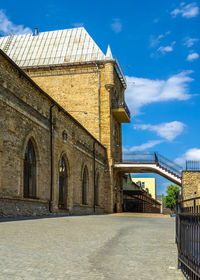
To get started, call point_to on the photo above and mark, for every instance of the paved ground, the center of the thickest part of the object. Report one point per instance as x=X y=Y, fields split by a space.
x=108 y=247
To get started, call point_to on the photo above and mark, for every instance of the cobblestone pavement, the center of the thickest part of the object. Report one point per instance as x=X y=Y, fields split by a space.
x=89 y=247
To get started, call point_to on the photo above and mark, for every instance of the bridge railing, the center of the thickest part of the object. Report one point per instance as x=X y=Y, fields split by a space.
x=153 y=157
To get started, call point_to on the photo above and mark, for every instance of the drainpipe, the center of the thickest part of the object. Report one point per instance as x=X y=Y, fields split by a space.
x=94 y=175
x=51 y=156
x=99 y=100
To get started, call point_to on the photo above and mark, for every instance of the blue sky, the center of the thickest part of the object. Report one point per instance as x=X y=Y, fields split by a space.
x=158 y=46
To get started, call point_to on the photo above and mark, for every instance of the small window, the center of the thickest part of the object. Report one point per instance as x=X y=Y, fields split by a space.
x=64 y=136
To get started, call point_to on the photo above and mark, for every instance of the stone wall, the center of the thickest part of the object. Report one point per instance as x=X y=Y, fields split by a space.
x=190 y=184
x=10 y=207
x=24 y=115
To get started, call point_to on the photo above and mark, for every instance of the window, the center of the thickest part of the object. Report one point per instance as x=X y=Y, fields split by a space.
x=30 y=171
x=96 y=191
x=85 y=186
x=64 y=134
x=63 y=184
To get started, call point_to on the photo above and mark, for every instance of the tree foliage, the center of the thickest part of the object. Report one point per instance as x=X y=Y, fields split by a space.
x=169 y=199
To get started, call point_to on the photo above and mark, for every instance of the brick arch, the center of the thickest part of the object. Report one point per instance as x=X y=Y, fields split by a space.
x=63 y=181
x=31 y=136
x=65 y=156
x=30 y=184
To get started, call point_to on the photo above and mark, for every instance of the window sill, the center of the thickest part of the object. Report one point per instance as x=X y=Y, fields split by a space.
x=31 y=197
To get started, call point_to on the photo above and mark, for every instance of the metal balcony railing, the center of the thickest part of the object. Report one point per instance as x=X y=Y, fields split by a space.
x=192 y=165
x=116 y=105
x=120 y=73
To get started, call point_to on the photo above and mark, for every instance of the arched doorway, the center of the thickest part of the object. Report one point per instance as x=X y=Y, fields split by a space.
x=30 y=171
x=63 y=183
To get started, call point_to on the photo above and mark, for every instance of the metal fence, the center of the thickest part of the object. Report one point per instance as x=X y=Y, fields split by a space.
x=192 y=165
x=188 y=236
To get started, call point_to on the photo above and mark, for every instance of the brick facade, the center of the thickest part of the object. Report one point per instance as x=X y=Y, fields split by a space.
x=78 y=88
x=25 y=114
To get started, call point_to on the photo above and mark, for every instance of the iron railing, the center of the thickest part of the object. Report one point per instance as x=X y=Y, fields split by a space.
x=192 y=165
x=120 y=73
x=188 y=236
x=117 y=105
x=153 y=157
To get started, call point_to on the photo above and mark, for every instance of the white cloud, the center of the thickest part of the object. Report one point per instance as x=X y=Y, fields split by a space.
x=188 y=11
x=141 y=91
x=189 y=42
x=168 y=131
x=192 y=56
x=78 y=24
x=166 y=49
x=191 y=154
x=8 y=27
x=116 y=25
x=154 y=41
x=142 y=147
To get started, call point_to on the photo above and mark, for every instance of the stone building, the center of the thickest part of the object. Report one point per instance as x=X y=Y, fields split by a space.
x=48 y=160
x=71 y=68
x=78 y=125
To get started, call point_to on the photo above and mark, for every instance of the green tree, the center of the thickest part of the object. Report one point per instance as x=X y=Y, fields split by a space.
x=169 y=199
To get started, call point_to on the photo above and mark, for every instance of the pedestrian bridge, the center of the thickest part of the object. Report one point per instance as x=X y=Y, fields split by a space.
x=150 y=163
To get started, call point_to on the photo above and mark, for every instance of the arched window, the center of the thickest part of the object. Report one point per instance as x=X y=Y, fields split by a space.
x=63 y=183
x=96 y=191
x=85 y=186
x=30 y=171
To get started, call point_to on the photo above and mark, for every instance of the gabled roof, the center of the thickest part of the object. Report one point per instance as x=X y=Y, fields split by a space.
x=56 y=47
x=53 y=47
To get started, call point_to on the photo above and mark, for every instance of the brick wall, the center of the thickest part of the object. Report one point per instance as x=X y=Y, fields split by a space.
x=75 y=87
x=24 y=115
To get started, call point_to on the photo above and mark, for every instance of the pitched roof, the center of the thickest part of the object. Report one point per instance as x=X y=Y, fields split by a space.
x=53 y=47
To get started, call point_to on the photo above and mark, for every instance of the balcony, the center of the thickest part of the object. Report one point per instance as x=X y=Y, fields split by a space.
x=121 y=112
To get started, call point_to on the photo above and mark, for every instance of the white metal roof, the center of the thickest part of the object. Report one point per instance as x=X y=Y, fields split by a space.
x=53 y=47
